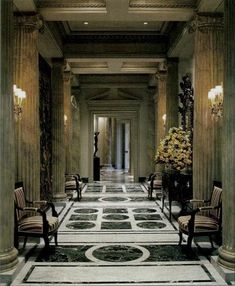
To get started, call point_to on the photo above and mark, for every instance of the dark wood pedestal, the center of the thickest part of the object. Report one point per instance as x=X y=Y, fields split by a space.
x=96 y=168
x=176 y=187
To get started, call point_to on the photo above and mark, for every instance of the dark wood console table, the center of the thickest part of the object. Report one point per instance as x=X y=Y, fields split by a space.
x=176 y=187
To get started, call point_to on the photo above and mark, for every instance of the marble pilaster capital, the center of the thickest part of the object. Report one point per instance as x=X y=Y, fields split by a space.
x=58 y=63
x=67 y=76
x=29 y=22
x=161 y=75
x=205 y=23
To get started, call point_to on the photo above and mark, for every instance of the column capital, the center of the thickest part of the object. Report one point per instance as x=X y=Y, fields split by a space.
x=205 y=23
x=29 y=22
x=161 y=75
x=67 y=76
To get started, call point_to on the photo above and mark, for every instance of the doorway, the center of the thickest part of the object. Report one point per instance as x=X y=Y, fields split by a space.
x=114 y=148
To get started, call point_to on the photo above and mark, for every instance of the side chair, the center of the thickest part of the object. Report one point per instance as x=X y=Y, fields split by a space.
x=34 y=219
x=205 y=220
x=154 y=183
x=73 y=183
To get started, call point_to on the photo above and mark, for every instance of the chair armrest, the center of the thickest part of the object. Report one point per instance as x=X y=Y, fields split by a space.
x=30 y=209
x=196 y=201
x=206 y=208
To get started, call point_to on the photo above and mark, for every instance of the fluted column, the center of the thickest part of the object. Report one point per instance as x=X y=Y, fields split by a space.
x=67 y=120
x=8 y=254
x=26 y=77
x=58 y=148
x=108 y=140
x=172 y=105
x=208 y=74
x=227 y=250
x=160 y=102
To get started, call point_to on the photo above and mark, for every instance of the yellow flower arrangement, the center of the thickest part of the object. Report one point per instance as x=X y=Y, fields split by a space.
x=175 y=150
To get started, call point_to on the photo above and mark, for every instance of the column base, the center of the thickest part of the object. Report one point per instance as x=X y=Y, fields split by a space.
x=226 y=274
x=226 y=258
x=59 y=197
x=8 y=260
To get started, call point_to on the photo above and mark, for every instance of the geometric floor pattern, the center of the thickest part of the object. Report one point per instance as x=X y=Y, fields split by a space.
x=116 y=236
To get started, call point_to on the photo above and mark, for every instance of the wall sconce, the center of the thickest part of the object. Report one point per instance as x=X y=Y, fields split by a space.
x=215 y=96
x=65 y=119
x=164 y=120
x=19 y=96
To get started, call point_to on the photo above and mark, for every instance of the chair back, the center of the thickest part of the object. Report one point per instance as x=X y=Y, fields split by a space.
x=19 y=198
x=216 y=201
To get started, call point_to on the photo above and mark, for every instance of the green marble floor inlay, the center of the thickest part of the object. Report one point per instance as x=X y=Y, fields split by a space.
x=169 y=253
x=85 y=211
x=115 y=217
x=144 y=210
x=114 y=199
x=115 y=225
x=115 y=210
x=117 y=253
x=151 y=225
x=89 y=217
x=147 y=217
x=64 y=254
x=80 y=225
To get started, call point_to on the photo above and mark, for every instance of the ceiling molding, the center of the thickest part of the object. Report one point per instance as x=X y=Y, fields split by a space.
x=71 y=4
x=162 y=4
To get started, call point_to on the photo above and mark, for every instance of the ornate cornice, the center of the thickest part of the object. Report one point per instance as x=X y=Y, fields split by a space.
x=117 y=38
x=162 y=4
x=71 y=4
x=205 y=23
x=29 y=22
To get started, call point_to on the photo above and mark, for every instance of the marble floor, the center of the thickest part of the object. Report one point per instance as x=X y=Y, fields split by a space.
x=116 y=236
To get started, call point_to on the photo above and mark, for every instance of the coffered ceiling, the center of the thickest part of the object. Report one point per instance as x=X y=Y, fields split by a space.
x=114 y=36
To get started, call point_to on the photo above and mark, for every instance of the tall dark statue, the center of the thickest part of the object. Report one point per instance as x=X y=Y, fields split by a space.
x=96 y=142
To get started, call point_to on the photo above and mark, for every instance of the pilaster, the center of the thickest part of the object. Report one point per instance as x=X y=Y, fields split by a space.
x=227 y=250
x=172 y=94
x=67 y=120
x=208 y=74
x=58 y=147
x=8 y=254
x=26 y=77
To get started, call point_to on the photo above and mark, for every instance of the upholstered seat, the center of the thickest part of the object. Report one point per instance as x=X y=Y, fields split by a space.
x=34 y=220
x=204 y=220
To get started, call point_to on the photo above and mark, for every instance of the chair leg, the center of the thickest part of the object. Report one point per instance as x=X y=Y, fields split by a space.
x=211 y=241
x=25 y=241
x=180 y=237
x=189 y=242
x=55 y=237
x=46 y=240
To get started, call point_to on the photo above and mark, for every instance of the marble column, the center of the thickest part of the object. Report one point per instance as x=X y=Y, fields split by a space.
x=227 y=250
x=172 y=105
x=108 y=142
x=8 y=254
x=67 y=120
x=26 y=77
x=114 y=141
x=208 y=73
x=76 y=134
x=58 y=148
x=160 y=101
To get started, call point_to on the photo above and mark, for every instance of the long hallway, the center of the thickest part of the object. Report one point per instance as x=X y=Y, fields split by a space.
x=116 y=236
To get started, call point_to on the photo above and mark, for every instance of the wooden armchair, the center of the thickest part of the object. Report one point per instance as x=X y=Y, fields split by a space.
x=154 y=183
x=73 y=183
x=34 y=220
x=203 y=221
